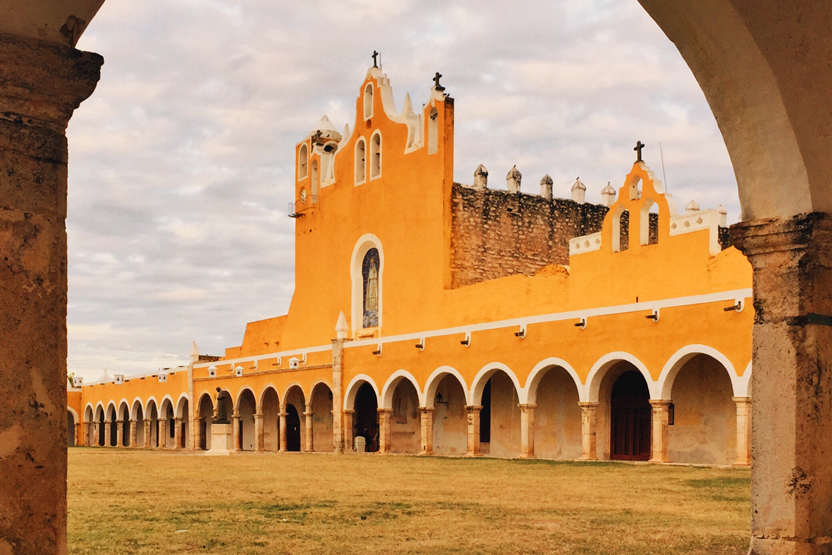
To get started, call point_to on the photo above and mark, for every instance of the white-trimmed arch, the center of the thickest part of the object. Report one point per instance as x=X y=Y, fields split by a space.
x=352 y=389
x=600 y=368
x=315 y=384
x=376 y=156
x=123 y=403
x=148 y=407
x=362 y=246
x=76 y=418
x=681 y=357
x=436 y=377
x=485 y=374
x=162 y=405
x=240 y=396
x=529 y=393
x=742 y=386
x=288 y=389
x=393 y=382
x=111 y=404
x=99 y=407
x=137 y=401
x=178 y=409
x=262 y=396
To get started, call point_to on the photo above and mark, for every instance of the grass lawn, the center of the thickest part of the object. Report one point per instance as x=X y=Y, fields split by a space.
x=123 y=501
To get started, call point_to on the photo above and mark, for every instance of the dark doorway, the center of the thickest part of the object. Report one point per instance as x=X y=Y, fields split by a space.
x=101 y=431
x=631 y=411
x=203 y=434
x=366 y=416
x=485 y=414
x=125 y=432
x=292 y=428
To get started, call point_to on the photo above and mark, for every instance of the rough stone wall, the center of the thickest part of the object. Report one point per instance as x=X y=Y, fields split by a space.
x=497 y=233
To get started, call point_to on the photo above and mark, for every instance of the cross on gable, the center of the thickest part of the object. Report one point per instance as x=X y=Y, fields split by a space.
x=436 y=79
x=375 y=58
x=638 y=148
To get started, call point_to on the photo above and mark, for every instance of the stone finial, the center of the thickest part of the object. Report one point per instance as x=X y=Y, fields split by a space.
x=481 y=178
x=341 y=328
x=546 y=187
x=723 y=215
x=579 y=191
x=513 y=180
x=608 y=195
x=407 y=109
x=194 y=352
x=692 y=207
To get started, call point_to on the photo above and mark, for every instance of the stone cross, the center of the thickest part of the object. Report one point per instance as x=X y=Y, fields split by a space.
x=436 y=79
x=638 y=148
x=375 y=56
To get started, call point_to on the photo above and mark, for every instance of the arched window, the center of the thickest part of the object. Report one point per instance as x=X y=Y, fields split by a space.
x=314 y=177
x=370 y=277
x=303 y=162
x=649 y=232
x=375 y=156
x=433 y=131
x=620 y=230
x=368 y=101
x=360 y=162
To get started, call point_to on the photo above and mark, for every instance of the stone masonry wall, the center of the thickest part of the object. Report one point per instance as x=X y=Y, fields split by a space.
x=497 y=233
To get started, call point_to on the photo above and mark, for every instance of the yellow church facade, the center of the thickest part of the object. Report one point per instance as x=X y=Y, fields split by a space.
x=436 y=318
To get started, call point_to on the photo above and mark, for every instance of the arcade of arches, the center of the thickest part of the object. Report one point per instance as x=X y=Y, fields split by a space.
x=764 y=67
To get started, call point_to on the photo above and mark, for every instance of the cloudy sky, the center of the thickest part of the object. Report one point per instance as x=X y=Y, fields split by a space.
x=181 y=163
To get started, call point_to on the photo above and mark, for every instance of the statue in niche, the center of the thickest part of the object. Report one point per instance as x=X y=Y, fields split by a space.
x=369 y=273
x=222 y=409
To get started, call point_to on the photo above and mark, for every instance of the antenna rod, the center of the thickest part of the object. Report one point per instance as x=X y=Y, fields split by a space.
x=664 y=176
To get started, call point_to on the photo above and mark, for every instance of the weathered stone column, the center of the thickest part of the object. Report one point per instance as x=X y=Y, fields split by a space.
x=162 y=435
x=177 y=433
x=743 y=431
x=588 y=434
x=133 y=432
x=426 y=414
x=473 y=430
x=259 y=432
x=283 y=414
x=108 y=434
x=527 y=431
x=791 y=485
x=146 y=437
x=349 y=445
x=194 y=426
x=309 y=447
x=661 y=418
x=87 y=426
x=384 y=430
x=79 y=439
x=236 y=436
x=96 y=434
x=338 y=426
x=41 y=84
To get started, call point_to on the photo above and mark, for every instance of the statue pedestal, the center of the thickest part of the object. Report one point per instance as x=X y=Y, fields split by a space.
x=220 y=440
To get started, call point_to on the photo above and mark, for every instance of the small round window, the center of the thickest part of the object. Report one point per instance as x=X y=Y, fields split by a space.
x=303 y=195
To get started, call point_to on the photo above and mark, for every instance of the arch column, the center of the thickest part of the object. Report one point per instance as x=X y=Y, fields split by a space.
x=473 y=430
x=743 y=431
x=527 y=431
x=132 y=432
x=146 y=436
x=283 y=414
x=162 y=436
x=426 y=417
x=259 y=433
x=177 y=433
x=87 y=427
x=384 y=430
x=348 y=439
x=308 y=441
x=107 y=434
x=195 y=430
x=791 y=486
x=236 y=436
x=661 y=418
x=589 y=419
x=119 y=433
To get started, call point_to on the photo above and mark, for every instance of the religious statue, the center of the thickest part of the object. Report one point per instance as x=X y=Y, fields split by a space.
x=222 y=411
x=370 y=275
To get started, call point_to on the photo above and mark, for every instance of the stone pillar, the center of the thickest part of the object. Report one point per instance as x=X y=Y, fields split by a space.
x=162 y=435
x=283 y=414
x=107 y=433
x=743 y=431
x=309 y=447
x=338 y=426
x=41 y=84
x=791 y=485
x=348 y=439
x=237 y=437
x=133 y=432
x=177 y=433
x=95 y=434
x=589 y=412
x=259 y=432
x=527 y=431
x=87 y=426
x=426 y=414
x=384 y=430
x=473 y=430
x=195 y=427
x=146 y=436
x=661 y=417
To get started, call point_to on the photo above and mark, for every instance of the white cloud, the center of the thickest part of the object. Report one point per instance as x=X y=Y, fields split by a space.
x=182 y=160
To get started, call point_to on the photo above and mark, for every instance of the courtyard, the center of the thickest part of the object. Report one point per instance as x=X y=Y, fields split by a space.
x=136 y=501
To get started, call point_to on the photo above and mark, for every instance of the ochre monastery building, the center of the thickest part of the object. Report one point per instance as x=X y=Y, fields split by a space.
x=437 y=318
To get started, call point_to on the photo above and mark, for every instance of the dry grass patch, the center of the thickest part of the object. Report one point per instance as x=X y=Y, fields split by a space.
x=123 y=501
